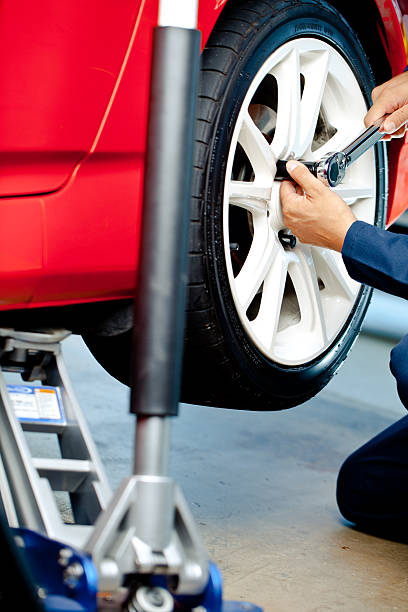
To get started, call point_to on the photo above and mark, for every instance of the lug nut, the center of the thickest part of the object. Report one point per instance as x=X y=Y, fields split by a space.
x=287 y=239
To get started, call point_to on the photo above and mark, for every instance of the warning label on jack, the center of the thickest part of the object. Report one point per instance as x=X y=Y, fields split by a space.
x=37 y=403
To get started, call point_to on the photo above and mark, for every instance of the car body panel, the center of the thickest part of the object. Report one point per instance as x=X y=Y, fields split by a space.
x=73 y=124
x=391 y=35
x=60 y=80
x=22 y=240
x=394 y=40
x=80 y=238
x=60 y=65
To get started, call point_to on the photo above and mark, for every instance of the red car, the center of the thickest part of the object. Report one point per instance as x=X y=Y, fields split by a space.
x=267 y=326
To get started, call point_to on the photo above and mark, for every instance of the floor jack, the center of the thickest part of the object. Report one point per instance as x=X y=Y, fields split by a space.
x=138 y=549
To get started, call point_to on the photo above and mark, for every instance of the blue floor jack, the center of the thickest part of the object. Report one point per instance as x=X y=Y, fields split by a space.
x=137 y=549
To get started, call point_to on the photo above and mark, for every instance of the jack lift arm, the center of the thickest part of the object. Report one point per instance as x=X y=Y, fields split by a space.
x=138 y=549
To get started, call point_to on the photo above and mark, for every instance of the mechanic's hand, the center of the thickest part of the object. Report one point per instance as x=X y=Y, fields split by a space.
x=314 y=214
x=390 y=98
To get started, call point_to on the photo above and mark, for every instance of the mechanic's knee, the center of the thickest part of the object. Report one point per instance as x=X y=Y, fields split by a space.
x=357 y=492
x=346 y=491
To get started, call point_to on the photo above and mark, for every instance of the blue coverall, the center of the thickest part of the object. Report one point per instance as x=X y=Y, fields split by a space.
x=372 y=486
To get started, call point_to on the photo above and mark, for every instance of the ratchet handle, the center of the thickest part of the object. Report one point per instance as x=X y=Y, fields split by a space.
x=365 y=141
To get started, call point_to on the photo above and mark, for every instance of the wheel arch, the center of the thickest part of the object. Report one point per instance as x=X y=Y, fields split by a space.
x=209 y=12
x=380 y=29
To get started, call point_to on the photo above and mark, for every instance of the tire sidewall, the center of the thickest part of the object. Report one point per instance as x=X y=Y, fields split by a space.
x=307 y=19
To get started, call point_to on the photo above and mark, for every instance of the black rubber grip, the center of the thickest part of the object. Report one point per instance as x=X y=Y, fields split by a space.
x=282 y=173
x=160 y=295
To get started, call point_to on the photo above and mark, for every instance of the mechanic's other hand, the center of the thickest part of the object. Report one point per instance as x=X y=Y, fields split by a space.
x=314 y=214
x=390 y=98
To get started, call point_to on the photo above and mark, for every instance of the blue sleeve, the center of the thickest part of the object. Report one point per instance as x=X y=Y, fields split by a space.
x=377 y=258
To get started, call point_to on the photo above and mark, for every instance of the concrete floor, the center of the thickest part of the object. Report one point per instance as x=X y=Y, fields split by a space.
x=262 y=485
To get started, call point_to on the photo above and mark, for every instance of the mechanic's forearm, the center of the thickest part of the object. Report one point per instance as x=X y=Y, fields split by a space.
x=377 y=258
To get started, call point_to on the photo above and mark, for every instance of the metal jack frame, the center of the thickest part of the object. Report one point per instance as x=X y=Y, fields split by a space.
x=144 y=530
x=27 y=483
x=142 y=541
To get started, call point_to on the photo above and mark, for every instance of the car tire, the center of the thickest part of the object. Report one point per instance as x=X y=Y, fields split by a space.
x=226 y=363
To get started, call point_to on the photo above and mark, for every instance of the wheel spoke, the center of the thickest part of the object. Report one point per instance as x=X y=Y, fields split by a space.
x=256 y=266
x=303 y=274
x=287 y=74
x=266 y=322
x=331 y=270
x=314 y=67
x=352 y=193
x=257 y=150
x=250 y=196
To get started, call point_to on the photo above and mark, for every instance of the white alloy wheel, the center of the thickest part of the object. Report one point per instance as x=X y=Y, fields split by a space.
x=304 y=102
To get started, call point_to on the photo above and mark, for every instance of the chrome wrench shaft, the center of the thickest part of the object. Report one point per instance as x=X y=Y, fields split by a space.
x=331 y=168
x=364 y=142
